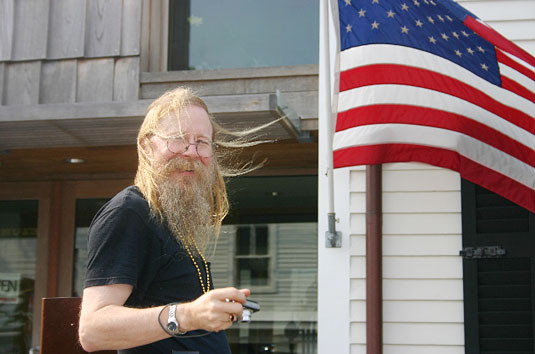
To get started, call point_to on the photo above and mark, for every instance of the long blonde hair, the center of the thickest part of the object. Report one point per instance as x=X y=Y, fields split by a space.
x=225 y=143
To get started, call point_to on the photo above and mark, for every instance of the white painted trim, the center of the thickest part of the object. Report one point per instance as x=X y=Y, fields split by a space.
x=333 y=269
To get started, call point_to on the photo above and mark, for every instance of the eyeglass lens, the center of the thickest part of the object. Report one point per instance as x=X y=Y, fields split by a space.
x=180 y=146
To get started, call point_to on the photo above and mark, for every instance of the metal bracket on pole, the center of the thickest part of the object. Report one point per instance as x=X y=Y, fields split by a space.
x=333 y=238
x=291 y=120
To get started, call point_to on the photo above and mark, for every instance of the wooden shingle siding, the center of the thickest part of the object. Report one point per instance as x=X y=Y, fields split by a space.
x=103 y=28
x=131 y=28
x=7 y=16
x=2 y=68
x=58 y=81
x=56 y=51
x=66 y=29
x=20 y=84
x=30 y=30
x=95 y=80
x=126 y=79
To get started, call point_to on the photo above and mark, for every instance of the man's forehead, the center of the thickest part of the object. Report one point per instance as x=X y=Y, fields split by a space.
x=184 y=122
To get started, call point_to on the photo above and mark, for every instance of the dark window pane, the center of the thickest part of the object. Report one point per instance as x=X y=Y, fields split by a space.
x=261 y=240
x=253 y=271
x=18 y=242
x=243 y=240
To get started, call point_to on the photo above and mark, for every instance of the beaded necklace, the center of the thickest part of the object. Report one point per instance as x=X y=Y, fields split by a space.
x=204 y=290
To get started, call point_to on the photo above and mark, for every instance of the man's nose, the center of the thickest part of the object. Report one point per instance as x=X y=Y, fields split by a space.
x=191 y=151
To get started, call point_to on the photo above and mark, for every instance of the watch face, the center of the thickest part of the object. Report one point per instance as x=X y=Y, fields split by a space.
x=172 y=326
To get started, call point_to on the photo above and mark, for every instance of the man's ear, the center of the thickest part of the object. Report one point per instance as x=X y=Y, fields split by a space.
x=146 y=145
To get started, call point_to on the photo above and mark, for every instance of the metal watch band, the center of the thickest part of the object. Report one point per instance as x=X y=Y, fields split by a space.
x=172 y=323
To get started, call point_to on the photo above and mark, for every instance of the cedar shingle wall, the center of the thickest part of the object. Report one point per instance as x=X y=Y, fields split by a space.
x=55 y=51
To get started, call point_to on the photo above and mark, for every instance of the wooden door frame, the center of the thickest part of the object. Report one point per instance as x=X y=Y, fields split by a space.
x=71 y=191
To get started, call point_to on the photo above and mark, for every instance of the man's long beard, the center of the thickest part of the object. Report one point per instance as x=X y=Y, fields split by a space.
x=185 y=202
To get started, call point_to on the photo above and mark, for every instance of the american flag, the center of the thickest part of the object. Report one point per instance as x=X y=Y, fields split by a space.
x=427 y=81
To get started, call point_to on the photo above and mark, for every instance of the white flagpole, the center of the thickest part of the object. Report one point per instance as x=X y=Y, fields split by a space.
x=333 y=263
x=332 y=237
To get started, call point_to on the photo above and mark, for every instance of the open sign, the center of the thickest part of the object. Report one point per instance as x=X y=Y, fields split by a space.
x=10 y=284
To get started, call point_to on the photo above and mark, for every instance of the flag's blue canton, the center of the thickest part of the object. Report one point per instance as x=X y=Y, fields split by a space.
x=423 y=24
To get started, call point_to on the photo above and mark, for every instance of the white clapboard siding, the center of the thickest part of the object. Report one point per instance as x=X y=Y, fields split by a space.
x=58 y=81
x=221 y=261
x=17 y=255
x=357 y=261
x=30 y=30
x=20 y=86
x=422 y=271
x=294 y=294
x=7 y=14
x=66 y=29
x=423 y=349
x=103 y=28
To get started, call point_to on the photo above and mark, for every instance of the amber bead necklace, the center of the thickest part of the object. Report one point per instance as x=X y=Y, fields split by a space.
x=207 y=288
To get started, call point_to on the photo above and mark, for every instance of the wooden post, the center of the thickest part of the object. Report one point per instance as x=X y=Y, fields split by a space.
x=374 y=261
x=54 y=239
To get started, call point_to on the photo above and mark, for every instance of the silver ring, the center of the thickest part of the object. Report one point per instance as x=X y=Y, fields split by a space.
x=232 y=317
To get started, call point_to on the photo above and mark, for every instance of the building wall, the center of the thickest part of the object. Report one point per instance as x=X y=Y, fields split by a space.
x=293 y=294
x=55 y=51
x=515 y=19
x=422 y=270
x=422 y=233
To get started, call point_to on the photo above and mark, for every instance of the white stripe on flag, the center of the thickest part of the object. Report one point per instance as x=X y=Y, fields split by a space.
x=471 y=148
x=518 y=60
x=514 y=75
x=390 y=54
x=416 y=96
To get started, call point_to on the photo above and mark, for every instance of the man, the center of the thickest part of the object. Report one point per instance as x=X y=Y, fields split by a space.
x=146 y=244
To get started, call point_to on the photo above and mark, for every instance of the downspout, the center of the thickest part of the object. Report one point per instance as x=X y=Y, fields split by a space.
x=374 y=260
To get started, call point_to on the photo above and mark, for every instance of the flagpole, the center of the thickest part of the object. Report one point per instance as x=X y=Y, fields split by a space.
x=332 y=237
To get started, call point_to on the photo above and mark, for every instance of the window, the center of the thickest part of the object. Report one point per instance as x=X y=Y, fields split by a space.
x=239 y=34
x=254 y=257
x=269 y=245
x=18 y=256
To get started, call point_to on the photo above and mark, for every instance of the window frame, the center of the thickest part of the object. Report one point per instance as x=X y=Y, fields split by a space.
x=270 y=288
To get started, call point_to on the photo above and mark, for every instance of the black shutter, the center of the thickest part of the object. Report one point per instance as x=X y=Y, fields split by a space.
x=499 y=292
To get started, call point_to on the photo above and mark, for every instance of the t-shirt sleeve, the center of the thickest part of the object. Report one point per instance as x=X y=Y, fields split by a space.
x=118 y=247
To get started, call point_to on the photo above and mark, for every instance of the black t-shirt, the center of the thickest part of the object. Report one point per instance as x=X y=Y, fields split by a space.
x=127 y=245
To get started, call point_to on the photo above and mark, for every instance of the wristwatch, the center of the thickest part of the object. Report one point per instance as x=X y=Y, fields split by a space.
x=172 y=323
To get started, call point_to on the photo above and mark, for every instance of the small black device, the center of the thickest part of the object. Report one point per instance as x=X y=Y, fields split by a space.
x=249 y=307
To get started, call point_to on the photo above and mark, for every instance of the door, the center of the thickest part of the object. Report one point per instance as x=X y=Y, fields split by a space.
x=499 y=271
x=24 y=229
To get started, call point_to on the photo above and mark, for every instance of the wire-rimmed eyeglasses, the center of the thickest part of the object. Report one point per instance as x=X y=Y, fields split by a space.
x=179 y=145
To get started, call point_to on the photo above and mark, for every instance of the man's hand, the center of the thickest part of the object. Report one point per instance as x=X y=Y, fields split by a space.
x=212 y=311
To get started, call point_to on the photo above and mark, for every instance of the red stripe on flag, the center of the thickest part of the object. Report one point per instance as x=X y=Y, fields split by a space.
x=515 y=87
x=498 y=40
x=504 y=59
x=403 y=114
x=405 y=75
x=470 y=170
